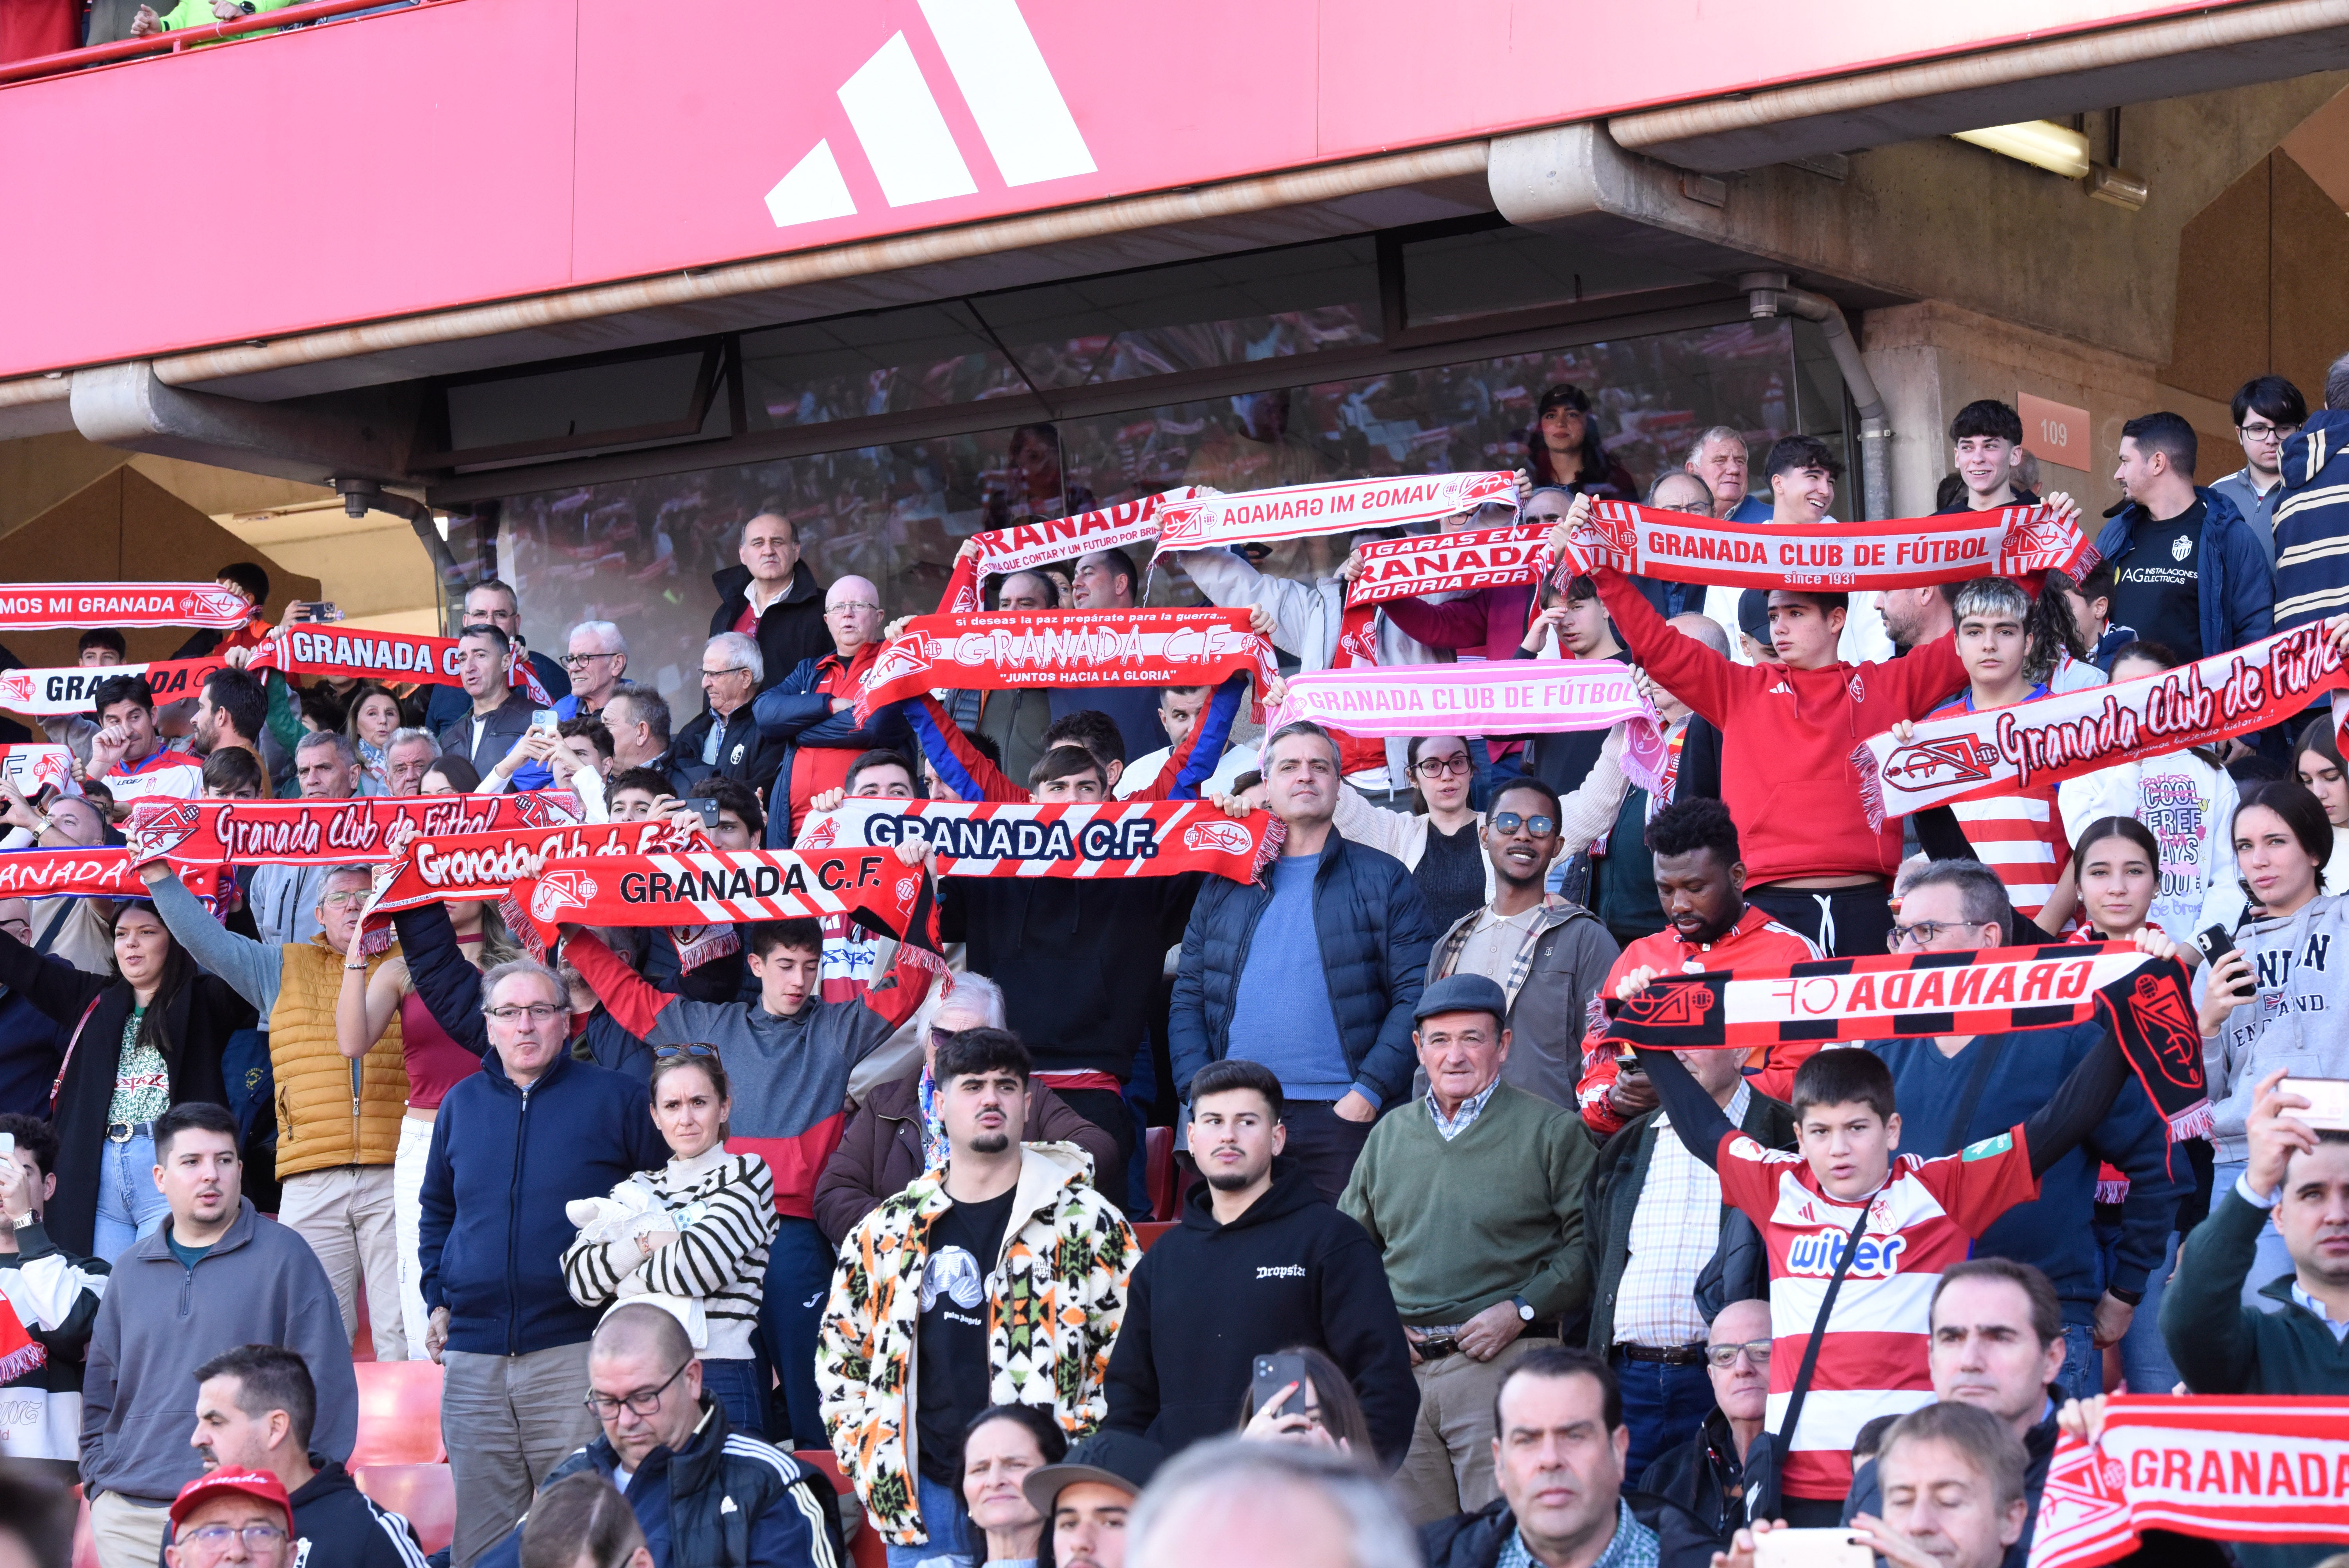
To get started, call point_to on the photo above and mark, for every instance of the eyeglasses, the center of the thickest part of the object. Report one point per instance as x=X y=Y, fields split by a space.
x=1507 y=822
x=1726 y=1356
x=854 y=606
x=573 y=661
x=350 y=900
x=643 y=1402
x=258 y=1538
x=1429 y=767
x=2267 y=432
x=537 y=1012
x=664 y=1052
x=1924 y=933
x=728 y=670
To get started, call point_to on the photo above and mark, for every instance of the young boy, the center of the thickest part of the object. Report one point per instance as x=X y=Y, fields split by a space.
x=1922 y=1215
x=1986 y=438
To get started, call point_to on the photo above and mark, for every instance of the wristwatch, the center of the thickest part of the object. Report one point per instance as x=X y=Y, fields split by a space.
x=1525 y=1308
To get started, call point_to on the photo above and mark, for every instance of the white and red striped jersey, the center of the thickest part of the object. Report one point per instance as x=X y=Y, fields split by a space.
x=2019 y=835
x=1922 y=1220
x=166 y=775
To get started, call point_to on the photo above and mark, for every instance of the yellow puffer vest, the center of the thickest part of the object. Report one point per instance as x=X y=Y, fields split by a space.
x=330 y=1110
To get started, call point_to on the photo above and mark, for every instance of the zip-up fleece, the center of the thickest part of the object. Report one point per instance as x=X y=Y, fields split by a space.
x=1055 y=1297
x=1209 y=1298
x=789 y=1074
x=504 y=1162
x=261 y=1284
x=2300 y=963
x=1796 y=798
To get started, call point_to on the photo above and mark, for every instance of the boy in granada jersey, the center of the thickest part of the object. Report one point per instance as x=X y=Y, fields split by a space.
x=1708 y=925
x=1922 y=1215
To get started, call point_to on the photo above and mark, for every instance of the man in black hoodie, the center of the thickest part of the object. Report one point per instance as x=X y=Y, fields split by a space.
x=254 y=1407
x=1261 y=1262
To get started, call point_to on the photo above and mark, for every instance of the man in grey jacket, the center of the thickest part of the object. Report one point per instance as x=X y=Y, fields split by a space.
x=159 y=1322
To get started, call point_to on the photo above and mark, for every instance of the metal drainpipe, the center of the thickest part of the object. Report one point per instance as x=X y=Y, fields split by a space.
x=362 y=496
x=1766 y=296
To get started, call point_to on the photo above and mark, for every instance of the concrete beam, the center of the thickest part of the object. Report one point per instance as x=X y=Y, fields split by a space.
x=363 y=436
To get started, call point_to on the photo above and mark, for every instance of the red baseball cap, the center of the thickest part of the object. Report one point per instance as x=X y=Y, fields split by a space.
x=249 y=1484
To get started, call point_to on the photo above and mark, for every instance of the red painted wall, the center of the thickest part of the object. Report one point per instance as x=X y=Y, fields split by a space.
x=479 y=150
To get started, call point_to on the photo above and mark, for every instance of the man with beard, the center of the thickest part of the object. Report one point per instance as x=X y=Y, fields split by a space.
x=1260 y=1262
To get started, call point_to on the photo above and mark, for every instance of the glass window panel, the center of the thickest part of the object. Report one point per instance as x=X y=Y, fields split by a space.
x=574 y=402
x=887 y=362
x=1493 y=270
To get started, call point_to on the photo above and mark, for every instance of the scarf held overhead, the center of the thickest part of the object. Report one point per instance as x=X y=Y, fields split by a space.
x=2264 y=1471
x=349 y=655
x=100 y=873
x=1449 y=563
x=487 y=865
x=34 y=767
x=998 y=552
x=1913 y=553
x=1113 y=839
x=1065 y=648
x=2001 y=750
x=1339 y=506
x=1989 y=991
x=307 y=832
x=70 y=606
x=64 y=691
x=729 y=887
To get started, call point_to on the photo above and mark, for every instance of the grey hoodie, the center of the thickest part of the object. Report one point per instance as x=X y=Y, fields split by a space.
x=2300 y=963
x=259 y=1283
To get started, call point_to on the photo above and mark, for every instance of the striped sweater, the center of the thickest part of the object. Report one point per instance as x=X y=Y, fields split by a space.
x=2312 y=523
x=724 y=1205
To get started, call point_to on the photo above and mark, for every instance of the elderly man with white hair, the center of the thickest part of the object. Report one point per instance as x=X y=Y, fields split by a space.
x=811 y=714
x=596 y=657
x=895 y=1134
x=722 y=736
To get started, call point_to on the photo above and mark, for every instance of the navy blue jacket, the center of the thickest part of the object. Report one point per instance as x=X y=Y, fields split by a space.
x=794 y=712
x=2236 y=593
x=1374 y=937
x=2311 y=517
x=2050 y=1232
x=503 y=1164
x=31 y=1049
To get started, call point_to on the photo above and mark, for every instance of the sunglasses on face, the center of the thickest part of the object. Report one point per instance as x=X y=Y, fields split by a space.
x=1507 y=822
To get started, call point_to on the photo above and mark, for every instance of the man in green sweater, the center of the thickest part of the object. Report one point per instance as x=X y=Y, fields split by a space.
x=1473 y=1197
x=2300 y=1176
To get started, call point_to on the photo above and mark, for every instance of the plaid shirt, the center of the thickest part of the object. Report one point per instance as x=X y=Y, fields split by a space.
x=1446 y=959
x=1449 y=1128
x=1674 y=1229
x=1634 y=1545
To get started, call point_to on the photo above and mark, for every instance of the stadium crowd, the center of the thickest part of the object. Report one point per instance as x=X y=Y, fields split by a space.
x=1440 y=1276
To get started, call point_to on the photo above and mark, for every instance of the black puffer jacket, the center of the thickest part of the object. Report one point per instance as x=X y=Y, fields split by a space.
x=1374 y=936
x=792 y=630
x=198 y=1020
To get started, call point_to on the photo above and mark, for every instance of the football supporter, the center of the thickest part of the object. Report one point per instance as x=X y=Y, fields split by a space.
x=128 y=752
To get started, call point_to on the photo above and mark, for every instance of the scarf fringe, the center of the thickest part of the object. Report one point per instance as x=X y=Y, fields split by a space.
x=1871 y=786
x=23 y=1361
x=2197 y=1120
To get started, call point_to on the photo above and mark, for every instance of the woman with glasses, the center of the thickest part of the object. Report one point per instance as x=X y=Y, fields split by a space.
x=364 y=1009
x=138 y=1042
x=1442 y=844
x=699 y=1244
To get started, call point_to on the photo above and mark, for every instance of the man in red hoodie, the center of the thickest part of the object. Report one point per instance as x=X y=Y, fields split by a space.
x=1815 y=863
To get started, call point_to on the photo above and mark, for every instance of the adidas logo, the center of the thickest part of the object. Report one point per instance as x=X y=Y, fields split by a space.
x=1781 y=689
x=1005 y=83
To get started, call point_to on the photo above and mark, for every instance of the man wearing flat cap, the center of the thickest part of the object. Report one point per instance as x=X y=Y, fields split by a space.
x=1474 y=1196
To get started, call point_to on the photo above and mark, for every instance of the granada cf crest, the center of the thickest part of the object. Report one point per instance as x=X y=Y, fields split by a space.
x=1960 y=759
x=1672 y=1004
x=2170 y=1028
x=161 y=831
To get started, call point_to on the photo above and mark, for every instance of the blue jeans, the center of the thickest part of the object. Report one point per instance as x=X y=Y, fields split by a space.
x=2145 y=1359
x=1663 y=1405
x=953 y=1543
x=799 y=1277
x=740 y=1384
x=2083 y=1376
x=128 y=1204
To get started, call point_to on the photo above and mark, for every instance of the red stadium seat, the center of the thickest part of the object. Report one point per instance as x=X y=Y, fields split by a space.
x=400 y=1414
x=1147 y=1232
x=1158 y=1168
x=422 y=1494
x=867 y=1550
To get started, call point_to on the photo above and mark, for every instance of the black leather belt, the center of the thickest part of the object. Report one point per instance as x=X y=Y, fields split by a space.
x=1669 y=1355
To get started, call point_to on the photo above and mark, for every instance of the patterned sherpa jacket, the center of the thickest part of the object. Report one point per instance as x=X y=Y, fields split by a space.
x=1054 y=1301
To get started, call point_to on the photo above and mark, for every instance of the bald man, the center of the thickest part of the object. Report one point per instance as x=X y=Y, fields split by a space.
x=811 y=713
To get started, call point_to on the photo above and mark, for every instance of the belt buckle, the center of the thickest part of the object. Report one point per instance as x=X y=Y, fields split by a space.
x=125 y=1136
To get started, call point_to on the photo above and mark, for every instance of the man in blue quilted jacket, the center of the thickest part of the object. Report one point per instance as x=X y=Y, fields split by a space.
x=1311 y=969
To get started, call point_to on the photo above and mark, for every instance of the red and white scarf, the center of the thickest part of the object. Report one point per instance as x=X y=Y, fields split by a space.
x=99 y=872
x=1113 y=840
x=64 y=690
x=1046 y=541
x=1912 y=552
x=728 y=887
x=34 y=767
x=487 y=865
x=345 y=654
x=2000 y=750
x=312 y=832
x=1145 y=648
x=1337 y=506
x=1450 y=563
x=71 y=606
x=2264 y=1471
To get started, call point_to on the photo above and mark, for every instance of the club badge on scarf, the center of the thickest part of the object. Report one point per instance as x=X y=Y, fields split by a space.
x=64 y=690
x=487 y=865
x=1065 y=648
x=1913 y=553
x=2001 y=750
x=2260 y=1472
x=1046 y=541
x=1449 y=562
x=1338 y=506
x=1114 y=839
x=726 y=887
x=70 y=606
x=306 y=833
x=34 y=767
x=348 y=654
x=2142 y=999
